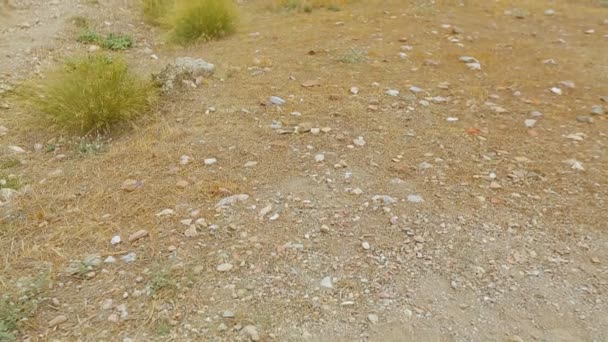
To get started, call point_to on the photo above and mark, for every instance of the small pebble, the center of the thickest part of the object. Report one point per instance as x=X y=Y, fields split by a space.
x=57 y=320
x=225 y=267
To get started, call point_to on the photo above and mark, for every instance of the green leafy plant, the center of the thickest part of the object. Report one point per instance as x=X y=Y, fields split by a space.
x=112 y=41
x=195 y=20
x=91 y=94
x=89 y=37
x=117 y=42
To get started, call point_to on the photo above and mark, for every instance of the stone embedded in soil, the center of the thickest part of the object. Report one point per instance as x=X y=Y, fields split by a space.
x=251 y=332
x=359 y=142
x=16 y=149
x=210 y=161
x=251 y=164
x=385 y=199
x=568 y=84
x=182 y=69
x=191 y=231
x=529 y=123
x=415 y=198
x=575 y=164
x=57 y=320
x=556 y=91
x=185 y=160
x=392 y=92
x=276 y=100
x=140 y=234
x=182 y=184
x=130 y=185
x=55 y=173
x=228 y=314
x=354 y=90
x=319 y=157
x=129 y=257
x=230 y=200
x=165 y=213
x=365 y=245
x=597 y=110
x=372 y=318
x=225 y=267
x=327 y=283
x=584 y=119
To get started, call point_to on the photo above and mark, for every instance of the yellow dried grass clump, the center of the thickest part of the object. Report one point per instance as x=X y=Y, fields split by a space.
x=91 y=94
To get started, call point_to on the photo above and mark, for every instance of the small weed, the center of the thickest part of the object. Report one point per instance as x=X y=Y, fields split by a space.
x=91 y=94
x=353 y=56
x=155 y=11
x=89 y=37
x=80 y=22
x=112 y=41
x=9 y=163
x=86 y=147
x=10 y=181
x=163 y=328
x=333 y=8
x=117 y=42
x=161 y=280
x=14 y=309
x=195 y=20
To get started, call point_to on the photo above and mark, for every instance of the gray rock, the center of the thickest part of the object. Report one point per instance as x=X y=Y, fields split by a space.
x=415 y=89
x=276 y=100
x=584 y=118
x=327 y=283
x=415 y=198
x=16 y=149
x=228 y=314
x=392 y=92
x=373 y=318
x=230 y=200
x=597 y=110
x=385 y=199
x=183 y=69
x=529 y=123
x=225 y=267
x=129 y=257
x=251 y=332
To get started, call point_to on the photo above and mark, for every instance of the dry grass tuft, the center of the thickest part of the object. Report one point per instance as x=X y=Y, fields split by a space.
x=202 y=20
x=155 y=11
x=91 y=94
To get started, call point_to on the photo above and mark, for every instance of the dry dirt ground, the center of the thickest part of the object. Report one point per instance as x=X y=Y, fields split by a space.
x=480 y=229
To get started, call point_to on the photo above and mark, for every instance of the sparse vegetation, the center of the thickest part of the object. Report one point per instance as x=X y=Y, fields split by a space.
x=111 y=42
x=155 y=11
x=93 y=93
x=14 y=309
x=309 y=5
x=202 y=20
x=80 y=22
x=353 y=55
x=9 y=181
